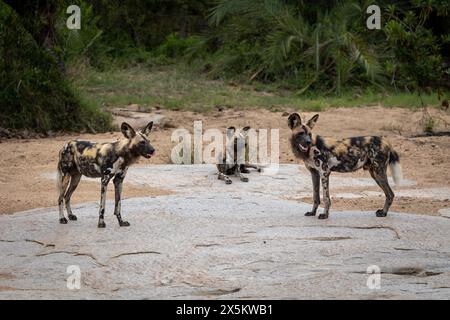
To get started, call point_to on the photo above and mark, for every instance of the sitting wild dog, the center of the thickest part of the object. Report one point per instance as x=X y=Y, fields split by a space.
x=100 y=160
x=322 y=155
x=238 y=144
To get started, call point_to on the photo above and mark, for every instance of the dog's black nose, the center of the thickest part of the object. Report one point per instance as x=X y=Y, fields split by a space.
x=308 y=143
x=152 y=150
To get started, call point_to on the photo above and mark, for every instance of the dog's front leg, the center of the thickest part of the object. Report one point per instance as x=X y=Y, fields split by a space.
x=240 y=174
x=325 y=178
x=104 y=183
x=118 y=182
x=316 y=192
x=224 y=177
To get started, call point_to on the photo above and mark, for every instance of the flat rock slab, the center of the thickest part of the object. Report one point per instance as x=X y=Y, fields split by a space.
x=137 y=119
x=211 y=240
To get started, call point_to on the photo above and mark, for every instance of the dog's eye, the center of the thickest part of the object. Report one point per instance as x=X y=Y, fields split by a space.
x=142 y=142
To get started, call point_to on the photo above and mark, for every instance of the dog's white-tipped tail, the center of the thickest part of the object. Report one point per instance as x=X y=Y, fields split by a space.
x=58 y=180
x=59 y=176
x=396 y=168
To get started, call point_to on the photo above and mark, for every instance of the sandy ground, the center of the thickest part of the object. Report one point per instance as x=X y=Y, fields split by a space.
x=424 y=160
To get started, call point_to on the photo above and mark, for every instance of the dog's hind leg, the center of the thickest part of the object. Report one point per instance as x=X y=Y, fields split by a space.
x=252 y=166
x=118 y=183
x=225 y=178
x=244 y=169
x=63 y=182
x=101 y=216
x=74 y=181
x=380 y=177
x=316 y=192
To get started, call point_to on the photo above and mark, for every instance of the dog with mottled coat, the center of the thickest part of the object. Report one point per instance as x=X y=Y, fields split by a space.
x=323 y=155
x=100 y=160
x=233 y=162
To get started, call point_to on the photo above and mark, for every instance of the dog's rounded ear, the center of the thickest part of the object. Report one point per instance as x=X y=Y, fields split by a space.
x=146 y=130
x=294 y=121
x=312 y=122
x=231 y=131
x=127 y=130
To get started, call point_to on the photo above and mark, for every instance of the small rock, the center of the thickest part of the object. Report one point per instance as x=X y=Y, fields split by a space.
x=25 y=134
x=5 y=133
x=50 y=134
x=133 y=106
x=444 y=212
x=168 y=125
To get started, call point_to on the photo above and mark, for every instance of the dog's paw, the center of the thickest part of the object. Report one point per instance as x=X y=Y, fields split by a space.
x=323 y=216
x=310 y=213
x=101 y=224
x=228 y=182
x=124 y=224
x=381 y=213
x=244 y=179
x=72 y=217
x=63 y=221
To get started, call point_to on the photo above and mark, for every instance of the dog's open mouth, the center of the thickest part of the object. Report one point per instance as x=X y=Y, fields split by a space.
x=148 y=155
x=302 y=148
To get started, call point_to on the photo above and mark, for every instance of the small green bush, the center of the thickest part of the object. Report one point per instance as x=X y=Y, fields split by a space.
x=174 y=46
x=34 y=93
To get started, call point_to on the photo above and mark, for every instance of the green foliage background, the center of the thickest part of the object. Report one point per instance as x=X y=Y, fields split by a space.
x=326 y=46
x=314 y=48
x=34 y=92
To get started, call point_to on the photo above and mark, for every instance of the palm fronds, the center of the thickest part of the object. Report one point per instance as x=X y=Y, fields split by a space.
x=289 y=43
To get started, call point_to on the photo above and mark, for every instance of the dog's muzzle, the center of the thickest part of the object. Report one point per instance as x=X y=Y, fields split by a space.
x=149 y=155
x=302 y=148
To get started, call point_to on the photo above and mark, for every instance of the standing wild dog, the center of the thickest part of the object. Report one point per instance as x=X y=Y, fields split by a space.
x=238 y=144
x=322 y=155
x=100 y=160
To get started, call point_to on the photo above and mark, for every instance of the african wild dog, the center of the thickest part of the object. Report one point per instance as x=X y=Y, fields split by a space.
x=100 y=160
x=238 y=144
x=322 y=155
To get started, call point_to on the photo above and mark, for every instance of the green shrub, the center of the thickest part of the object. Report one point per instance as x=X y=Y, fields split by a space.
x=174 y=46
x=325 y=46
x=34 y=92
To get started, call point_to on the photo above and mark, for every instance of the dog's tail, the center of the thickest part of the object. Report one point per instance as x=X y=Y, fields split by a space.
x=59 y=176
x=394 y=164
